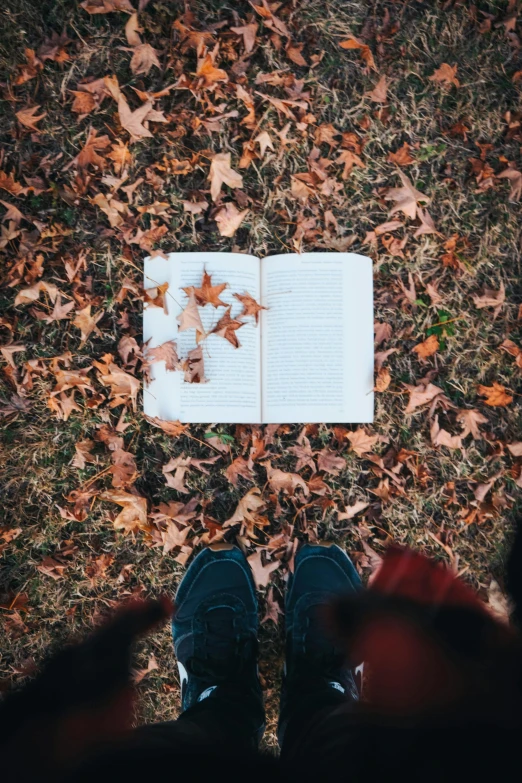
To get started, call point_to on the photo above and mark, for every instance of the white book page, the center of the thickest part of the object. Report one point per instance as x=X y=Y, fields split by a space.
x=233 y=392
x=317 y=338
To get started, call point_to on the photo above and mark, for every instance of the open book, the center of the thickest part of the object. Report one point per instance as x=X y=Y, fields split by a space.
x=310 y=358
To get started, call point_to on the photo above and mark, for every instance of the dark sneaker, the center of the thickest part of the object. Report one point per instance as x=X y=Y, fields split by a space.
x=312 y=661
x=215 y=625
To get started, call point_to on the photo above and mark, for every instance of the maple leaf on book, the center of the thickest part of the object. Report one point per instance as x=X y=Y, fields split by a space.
x=227 y=327
x=207 y=293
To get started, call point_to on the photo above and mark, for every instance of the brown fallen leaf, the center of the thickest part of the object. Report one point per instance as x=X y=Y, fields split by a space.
x=172 y=428
x=366 y=52
x=124 y=386
x=513 y=350
x=112 y=207
x=143 y=58
x=379 y=94
x=427 y=226
x=8 y=352
x=402 y=156
x=515 y=449
x=250 y=306
x=156 y=297
x=427 y=348
x=133 y=516
x=239 y=467
x=229 y=218
x=207 y=74
x=361 y=442
x=286 y=482
x=172 y=536
x=133 y=121
x=405 y=198
x=383 y=379
x=189 y=318
x=470 y=420
x=59 y=312
x=82 y=456
x=86 y=323
x=351 y=511
x=330 y=462
x=178 y=466
x=32 y=294
x=27 y=117
x=208 y=293
x=13 y=213
x=305 y=455
x=88 y=155
x=421 y=395
x=227 y=327
x=349 y=159
x=248 y=33
x=441 y=437
x=247 y=508
x=515 y=180
x=273 y=609
x=193 y=366
x=294 y=53
x=166 y=352
x=264 y=141
x=222 y=173
x=491 y=298
x=445 y=75
x=261 y=572
x=496 y=395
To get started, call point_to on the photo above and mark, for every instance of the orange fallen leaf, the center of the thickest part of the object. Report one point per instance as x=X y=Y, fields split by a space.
x=208 y=293
x=193 y=366
x=250 y=306
x=133 y=515
x=405 y=198
x=383 y=379
x=402 y=156
x=361 y=442
x=470 y=420
x=172 y=428
x=427 y=348
x=366 y=53
x=445 y=75
x=227 y=327
x=379 y=94
x=496 y=395
x=27 y=117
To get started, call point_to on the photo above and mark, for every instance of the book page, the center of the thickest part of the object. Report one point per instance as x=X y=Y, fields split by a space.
x=233 y=391
x=317 y=338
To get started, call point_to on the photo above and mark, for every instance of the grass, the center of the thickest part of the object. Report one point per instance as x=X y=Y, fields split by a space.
x=37 y=450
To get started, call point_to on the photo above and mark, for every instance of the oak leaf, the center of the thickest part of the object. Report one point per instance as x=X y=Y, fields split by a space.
x=427 y=348
x=496 y=395
x=27 y=118
x=470 y=420
x=133 y=515
x=250 y=306
x=208 y=293
x=227 y=327
x=221 y=172
x=405 y=198
x=361 y=442
x=260 y=572
x=189 y=318
x=445 y=75
x=193 y=366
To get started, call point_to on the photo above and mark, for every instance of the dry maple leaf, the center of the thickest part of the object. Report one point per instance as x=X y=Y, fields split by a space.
x=8 y=352
x=491 y=298
x=59 y=312
x=27 y=117
x=32 y=294
x=496 y=395
x=330 y=462
x=349 y=159
x=83 y=103
x=379 y=94
x=351 y=511
x=366 y=53
x=515 y=180
x=441 y=437
x=470 y=421
x=264 y=141
x=427 y=348
x=260 y=572
x=247 y=508
x=421 y=395
x=193 y=366
x=179 y=465
x=173 y=537
x=114 y=209
x=13 y=213
x=287 y=482
x=405 y=198
x=133 y=121
x=402 y=156
x=83 y=454
x=88 y=155
x=133 y=515
x=156 y=297
x=189 y=318
x=445 y=75
x=172 y=428
x=124 y=386
x=143 y=58
x=239 y=467
x=273 y=609
x=221 y=172
x=361 y=442
x=250 y=306
x=208 y=293
x=248 y=32
x=166 y=352
x=227 y=327
x=427 y=226
x=86 y=322
x=207 y=74
x=304 y=453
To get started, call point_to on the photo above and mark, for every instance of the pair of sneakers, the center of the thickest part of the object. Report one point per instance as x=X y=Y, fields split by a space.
x=215 y=627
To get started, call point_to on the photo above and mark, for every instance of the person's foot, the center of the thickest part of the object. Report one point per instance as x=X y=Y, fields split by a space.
x=215 y=625
x=312 y=660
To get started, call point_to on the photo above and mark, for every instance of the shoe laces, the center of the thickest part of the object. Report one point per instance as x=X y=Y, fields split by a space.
x=224 y=647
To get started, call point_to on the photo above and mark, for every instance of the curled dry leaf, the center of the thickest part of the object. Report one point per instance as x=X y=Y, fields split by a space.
x=247 y=509
x=189 y=318
x=193 y=366
x=496 y=395
x=172 y=428
x=365 y=51
x=133 y=516
x=156 y=297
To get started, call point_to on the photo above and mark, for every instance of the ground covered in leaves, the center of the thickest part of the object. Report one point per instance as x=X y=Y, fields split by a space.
x=387 y=128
